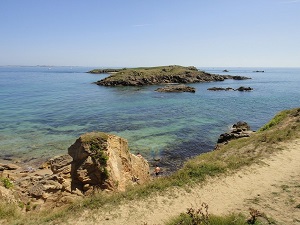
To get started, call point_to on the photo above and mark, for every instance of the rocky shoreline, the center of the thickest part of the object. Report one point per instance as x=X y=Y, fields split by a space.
x=95 y=162
x=161 y=75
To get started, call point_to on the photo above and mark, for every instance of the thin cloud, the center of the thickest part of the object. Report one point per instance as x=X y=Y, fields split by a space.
x=142 y=25
x=290 y=1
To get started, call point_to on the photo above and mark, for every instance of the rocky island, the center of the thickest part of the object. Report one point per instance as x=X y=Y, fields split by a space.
x=162 y=74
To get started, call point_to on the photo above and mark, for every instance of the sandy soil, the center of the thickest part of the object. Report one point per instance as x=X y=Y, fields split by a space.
x=272 y=187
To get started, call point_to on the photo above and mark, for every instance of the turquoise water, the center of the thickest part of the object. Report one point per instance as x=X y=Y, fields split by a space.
x=43 y=110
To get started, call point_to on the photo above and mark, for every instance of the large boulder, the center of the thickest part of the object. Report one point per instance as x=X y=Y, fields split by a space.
x=103 y=161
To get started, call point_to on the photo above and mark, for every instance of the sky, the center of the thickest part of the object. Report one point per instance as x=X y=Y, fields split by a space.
x=119 y=33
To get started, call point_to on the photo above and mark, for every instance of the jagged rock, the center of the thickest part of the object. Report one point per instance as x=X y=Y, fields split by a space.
x=176 y=88
x=61 y=164
x=36 y=190
x=244 y=89
x=103 y=161
x=9 y=166
x=241 y=125
x=239 y=130
x=236 y=77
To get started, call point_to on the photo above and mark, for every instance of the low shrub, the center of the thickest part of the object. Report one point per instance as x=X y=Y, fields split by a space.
x=6 y=183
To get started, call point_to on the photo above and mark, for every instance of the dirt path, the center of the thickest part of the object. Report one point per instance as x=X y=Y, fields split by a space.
x=272 y=187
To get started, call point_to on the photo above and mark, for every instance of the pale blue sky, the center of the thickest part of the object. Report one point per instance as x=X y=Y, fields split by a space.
x=204 y=33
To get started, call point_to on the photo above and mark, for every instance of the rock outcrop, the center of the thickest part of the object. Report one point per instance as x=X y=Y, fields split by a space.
x=239 y=130
x=96 y=161
x=244 y=89
x=176 y=88
x=103 y=161
x=236 y=77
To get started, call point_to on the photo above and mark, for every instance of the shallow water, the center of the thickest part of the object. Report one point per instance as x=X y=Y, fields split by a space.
x=43 y=110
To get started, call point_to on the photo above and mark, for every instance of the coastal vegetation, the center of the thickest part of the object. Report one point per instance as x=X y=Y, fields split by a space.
x=229 y=158
x=100 y=71
x=6 y=182
x=162 y=74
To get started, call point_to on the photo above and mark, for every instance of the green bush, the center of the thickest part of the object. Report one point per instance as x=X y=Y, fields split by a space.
x=7 y=183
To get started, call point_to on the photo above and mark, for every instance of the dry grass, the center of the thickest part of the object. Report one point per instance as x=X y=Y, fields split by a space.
x=230 y=157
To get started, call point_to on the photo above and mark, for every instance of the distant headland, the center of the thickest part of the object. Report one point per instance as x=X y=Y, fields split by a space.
x=159 y=75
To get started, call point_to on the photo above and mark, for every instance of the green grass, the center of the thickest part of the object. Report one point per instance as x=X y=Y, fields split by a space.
x=9 y=212
x=6 y=183
x=151 y=75
x=279 y=118
x=231 y=157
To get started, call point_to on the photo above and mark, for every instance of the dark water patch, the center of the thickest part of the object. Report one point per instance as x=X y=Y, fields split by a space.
x=173 y=158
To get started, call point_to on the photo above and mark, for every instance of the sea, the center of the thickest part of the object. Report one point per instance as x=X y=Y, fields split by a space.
x=44 y=109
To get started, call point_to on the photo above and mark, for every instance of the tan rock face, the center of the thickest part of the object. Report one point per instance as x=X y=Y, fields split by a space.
x=103 y=161
x=124 y=168
x=95 y=161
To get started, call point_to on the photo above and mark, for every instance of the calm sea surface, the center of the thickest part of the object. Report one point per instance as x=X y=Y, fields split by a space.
x=44 y=110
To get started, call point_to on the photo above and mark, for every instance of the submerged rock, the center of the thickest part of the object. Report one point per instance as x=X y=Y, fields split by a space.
x=230 y=89
x=176 y=88
x=220 y=89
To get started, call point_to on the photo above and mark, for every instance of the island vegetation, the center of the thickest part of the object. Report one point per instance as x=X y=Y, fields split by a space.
x=101 y=71
x=160 y=74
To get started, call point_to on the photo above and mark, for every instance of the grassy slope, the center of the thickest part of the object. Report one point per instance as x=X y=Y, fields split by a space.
x=238 y=153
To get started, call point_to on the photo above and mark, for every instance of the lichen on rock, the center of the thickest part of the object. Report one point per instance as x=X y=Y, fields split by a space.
x=103 y=161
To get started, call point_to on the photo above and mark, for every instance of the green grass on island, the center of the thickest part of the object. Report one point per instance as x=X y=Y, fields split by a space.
x=285 y=126
x=157 y=75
